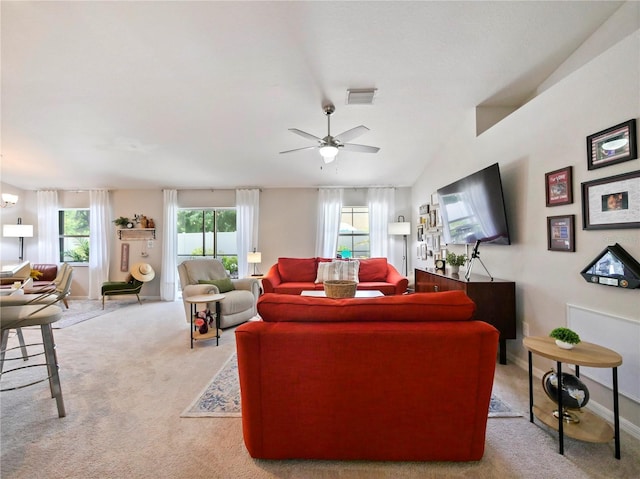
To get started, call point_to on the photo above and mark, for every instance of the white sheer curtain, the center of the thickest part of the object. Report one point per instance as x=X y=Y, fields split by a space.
x=247 y=216
x=48 y=235
x=381 y=207
x=328 y=226
x=168 y=276
x=99 y=239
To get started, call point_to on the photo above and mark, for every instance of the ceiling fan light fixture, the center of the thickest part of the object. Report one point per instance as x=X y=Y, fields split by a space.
x=328 y=153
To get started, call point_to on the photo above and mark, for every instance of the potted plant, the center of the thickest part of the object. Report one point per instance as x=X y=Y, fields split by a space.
x=565 y=338
x=455 y=261
x=121 y=222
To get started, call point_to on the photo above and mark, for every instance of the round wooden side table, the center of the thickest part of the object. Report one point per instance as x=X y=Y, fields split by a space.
x=203 y=299
x=591 y=428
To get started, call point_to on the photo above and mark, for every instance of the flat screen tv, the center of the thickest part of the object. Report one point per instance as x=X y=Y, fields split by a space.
x=473 y=210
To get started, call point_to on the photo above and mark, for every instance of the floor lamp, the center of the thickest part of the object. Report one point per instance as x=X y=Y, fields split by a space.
x=401 y=228
x=19 y=231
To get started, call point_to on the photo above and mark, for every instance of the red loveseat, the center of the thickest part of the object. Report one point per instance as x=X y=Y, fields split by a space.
x=294 y=275
x=394 y=378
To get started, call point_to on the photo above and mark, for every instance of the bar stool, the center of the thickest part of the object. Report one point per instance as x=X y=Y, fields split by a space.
x=13 y=317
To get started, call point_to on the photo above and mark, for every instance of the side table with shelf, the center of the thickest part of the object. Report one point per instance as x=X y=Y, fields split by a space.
x=591 y=427
x=195 y=335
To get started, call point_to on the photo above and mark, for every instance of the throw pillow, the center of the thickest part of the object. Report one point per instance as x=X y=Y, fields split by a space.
x=373 y=269
x=326 y=272
x=348 y=270
x=224 y=285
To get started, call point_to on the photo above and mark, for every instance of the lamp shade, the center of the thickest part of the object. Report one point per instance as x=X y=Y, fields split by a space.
x=17 y=231
x=400 y=228
x=254 y=257
x=328 y=153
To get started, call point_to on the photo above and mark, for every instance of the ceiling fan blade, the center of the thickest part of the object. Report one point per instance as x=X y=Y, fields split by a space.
x=304 y=134
x=352 y=133
x=360 y=148
x=299 y=149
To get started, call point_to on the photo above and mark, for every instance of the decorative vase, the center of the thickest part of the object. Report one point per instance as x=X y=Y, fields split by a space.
x=204 y=328
x=455 y=269
x=563 y=345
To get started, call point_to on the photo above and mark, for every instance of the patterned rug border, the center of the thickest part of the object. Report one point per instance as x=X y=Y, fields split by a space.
x=198 y=407
x=208 y=402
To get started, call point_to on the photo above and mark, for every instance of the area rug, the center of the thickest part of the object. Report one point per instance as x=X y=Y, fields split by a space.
x=221 y=397
x=83 y=309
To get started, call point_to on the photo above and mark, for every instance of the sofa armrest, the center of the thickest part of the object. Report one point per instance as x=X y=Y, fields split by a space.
x=394 y=277
x=271 y=279
x=248 y=284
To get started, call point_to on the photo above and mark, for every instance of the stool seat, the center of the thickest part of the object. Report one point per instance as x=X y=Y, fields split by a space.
x=12 y=317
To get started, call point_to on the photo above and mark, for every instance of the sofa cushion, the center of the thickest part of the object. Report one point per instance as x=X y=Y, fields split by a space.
x=203 y=269
x=297 y=269
x=373 y=269
x=327 y=271
x=348 y=270
x=48 y=271
x=443 y=306
x=224 y=285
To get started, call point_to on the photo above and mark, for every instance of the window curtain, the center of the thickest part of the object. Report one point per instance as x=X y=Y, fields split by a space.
x=328 y=226
x=247 y=216
x=381 y=207
x=168 y=277
x=48 y=233
x=99 y=236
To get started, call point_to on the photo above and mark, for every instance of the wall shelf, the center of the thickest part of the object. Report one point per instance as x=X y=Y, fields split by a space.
x=137 y=234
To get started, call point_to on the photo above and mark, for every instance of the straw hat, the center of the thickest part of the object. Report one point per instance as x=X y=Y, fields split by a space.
x=142 y=272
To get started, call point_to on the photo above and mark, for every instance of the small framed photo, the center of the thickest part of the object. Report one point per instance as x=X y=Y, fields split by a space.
x=434 y=199
x=613 y=145
x=561 y=233
x=420 y=236
x=559 y=186
x=611 y=203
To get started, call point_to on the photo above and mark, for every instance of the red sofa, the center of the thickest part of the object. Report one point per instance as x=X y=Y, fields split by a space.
x=294 y=275
x=394 y=378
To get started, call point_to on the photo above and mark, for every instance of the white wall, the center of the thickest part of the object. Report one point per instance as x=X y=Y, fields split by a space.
x=546 y=134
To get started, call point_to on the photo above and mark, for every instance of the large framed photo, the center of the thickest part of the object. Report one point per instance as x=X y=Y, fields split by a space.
x=561 y=233
x=559 y=186
x=613 y=145
x=611 y=203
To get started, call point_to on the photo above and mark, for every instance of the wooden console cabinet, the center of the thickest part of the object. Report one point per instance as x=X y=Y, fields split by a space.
x=495 y=300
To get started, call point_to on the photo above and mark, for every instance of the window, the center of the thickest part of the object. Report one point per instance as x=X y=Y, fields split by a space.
x=353 y=237
x=73 y=225
x=208 y=233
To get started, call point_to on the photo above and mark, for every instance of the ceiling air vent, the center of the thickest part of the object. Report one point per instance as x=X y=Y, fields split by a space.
x=361 y=96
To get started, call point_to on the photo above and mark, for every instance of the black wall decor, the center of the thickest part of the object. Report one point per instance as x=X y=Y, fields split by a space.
x=613 y=267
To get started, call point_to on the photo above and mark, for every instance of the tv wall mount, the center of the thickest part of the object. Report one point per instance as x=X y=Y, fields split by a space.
x=614 y=266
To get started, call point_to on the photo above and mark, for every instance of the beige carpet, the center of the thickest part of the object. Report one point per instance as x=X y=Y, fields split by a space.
x=127 y=376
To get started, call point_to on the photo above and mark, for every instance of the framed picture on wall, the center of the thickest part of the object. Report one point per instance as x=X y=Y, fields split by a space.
x=559 y=186
x=124 y=257
x=613 y=145
x=561 y=233
x=612 y=203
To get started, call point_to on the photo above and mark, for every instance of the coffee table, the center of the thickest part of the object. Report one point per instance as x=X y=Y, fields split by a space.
x=318 y=293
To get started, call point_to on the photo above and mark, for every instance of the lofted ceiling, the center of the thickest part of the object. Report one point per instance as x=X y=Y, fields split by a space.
x=179 y=94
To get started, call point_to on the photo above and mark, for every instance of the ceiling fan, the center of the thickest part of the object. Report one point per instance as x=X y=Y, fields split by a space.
x=330 y=145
